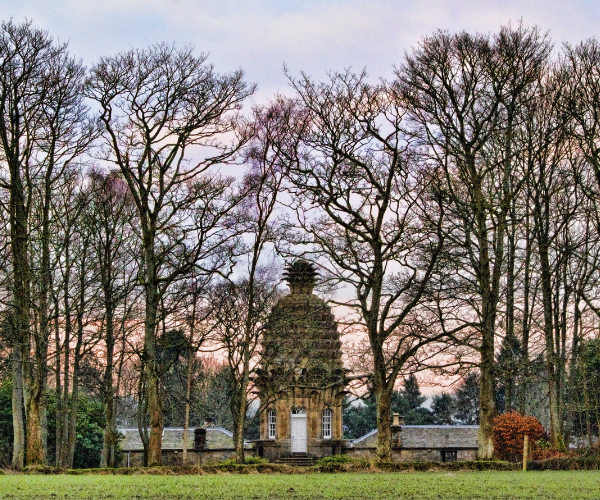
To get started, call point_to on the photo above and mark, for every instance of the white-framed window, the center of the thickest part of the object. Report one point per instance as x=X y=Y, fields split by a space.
x=327 y=417
x=272 y=423
x=298 y=411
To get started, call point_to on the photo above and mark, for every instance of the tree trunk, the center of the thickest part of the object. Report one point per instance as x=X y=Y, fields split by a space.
x=384 y=415
x=18 y=457
x=142 y=409
x=107 y=458
x=35 y=405
x=510 y=341
x=35 y=447
x=487 y=410
x=551 y=361
x=151 y=370
x=239 y=425
x=72 y=435
x=21 y=298
x=188 y=393
x=58 y=388
x=72 y=414
x=64 y=446
x=524 y=362
x=488 y=283
x=152 y=380
x=43 y=334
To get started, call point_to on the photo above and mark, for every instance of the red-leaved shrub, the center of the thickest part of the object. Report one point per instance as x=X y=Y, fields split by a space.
x=508 y=432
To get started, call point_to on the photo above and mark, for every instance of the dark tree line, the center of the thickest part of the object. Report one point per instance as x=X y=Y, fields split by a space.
x=144 y=218
x=448 y=408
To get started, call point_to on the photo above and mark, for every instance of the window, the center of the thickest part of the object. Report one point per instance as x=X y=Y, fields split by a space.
x=327 y=415
x=449 y=456
x=272 y=422
x=298 y=411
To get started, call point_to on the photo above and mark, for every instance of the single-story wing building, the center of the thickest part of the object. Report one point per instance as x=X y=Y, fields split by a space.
x=423 y=443
x=211 y=444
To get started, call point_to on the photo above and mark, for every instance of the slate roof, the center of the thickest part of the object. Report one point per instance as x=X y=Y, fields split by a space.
x=428 y=437
x=216 y=438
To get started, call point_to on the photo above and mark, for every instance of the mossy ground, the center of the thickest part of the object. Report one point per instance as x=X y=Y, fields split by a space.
x=356 y=486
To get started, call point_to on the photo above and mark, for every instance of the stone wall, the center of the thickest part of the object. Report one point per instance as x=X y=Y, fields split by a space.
x=411 y=455
x=175 y=457
x=316 y=448
x=272 y=451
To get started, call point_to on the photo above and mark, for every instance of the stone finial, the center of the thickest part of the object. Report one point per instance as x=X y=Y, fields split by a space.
x=301 y=276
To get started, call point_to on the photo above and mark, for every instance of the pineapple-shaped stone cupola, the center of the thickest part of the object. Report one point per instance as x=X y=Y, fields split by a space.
x=301 y=380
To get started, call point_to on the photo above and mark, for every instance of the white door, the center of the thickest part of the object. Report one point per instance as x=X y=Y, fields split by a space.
x=299 y=431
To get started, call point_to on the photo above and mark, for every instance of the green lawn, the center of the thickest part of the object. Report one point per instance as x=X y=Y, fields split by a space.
x=420 y=485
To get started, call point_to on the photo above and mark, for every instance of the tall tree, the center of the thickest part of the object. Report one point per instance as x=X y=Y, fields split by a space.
x=43 y=128
x=164 y=112
x=442 y=409
x=467 y=400
x=465 y=94
x=365 y=205
x=232 y=303
x=555 y=202
x=109 y=216
x=242 y=306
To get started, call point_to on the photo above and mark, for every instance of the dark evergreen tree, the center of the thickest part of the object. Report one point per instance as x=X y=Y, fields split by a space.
x=6 y=422
x=442 y=409
x=359 y=419
x=583 y=390
x=412 y=393
x=467 y=400
x=409 y=403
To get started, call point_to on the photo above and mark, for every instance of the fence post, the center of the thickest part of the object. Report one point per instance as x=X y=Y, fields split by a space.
x=525 y=450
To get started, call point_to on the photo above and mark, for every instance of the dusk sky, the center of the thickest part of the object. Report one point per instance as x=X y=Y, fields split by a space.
x=315 y=36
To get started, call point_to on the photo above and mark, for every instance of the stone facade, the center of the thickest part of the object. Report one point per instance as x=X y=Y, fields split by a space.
x=423 y=443
x=212 y=444
x=301 y=382
x=175 y=457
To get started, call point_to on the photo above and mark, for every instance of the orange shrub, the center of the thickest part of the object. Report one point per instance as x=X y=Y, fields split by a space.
x=509 y=430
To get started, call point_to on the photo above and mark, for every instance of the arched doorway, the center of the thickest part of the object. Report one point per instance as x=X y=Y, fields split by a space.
x=299 y=421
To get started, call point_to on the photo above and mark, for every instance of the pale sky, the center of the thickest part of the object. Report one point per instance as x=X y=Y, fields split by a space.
x=259 y=36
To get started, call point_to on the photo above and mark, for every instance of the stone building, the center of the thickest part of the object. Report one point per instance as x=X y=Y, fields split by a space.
x=301 y=382
x=211 y=444
x=423 y=443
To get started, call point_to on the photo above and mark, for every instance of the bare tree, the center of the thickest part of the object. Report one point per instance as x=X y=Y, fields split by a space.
x=241 y=306
x=362 y=201
x=156 y=106
x=110 y=215
x=43 y=128
x=465 y=94
x=195 y=316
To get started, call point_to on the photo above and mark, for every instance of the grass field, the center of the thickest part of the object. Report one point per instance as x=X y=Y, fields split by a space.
x=421 y=485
